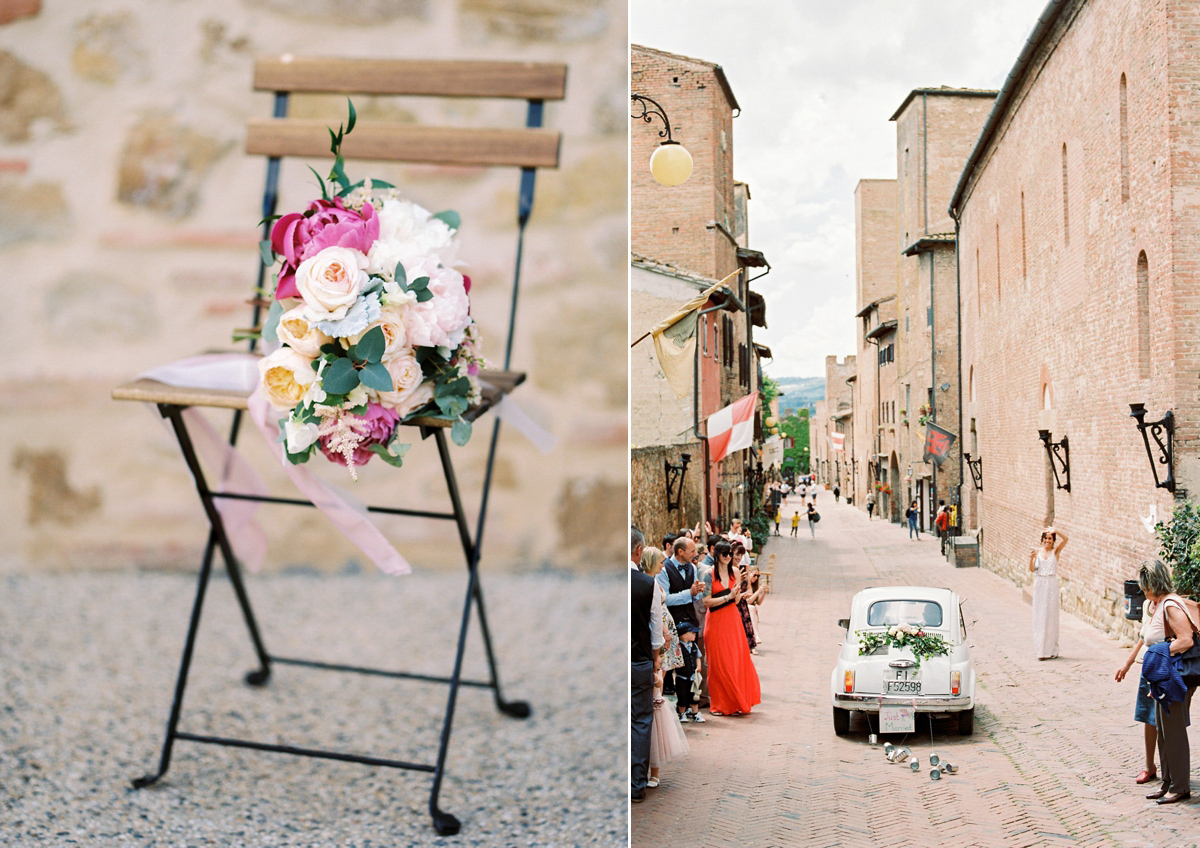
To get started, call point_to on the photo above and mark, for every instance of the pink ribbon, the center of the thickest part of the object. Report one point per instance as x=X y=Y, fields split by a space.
x=239 y=372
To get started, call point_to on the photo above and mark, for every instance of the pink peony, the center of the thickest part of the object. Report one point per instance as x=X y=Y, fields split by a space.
x=378 y=425
x=299 y=236
x=442 y=321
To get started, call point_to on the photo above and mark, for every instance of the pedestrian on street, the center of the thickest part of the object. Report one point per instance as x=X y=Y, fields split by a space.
x=1143 y=710
x=646 y=637
x=778 y=518
x=837 y=494
x=1043 y=562
x=870 y=507
x=795 y=521
x=942 y=523
x=1179 y=628
x=911 y=514
x=733 y=680
x=813 y=518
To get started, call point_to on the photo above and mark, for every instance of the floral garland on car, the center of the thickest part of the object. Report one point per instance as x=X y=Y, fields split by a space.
x=923 y=645
x=373 y=321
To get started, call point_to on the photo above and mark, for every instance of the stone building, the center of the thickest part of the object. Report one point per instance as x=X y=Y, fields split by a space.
x=1078 y=234
x=831 y=430
x=129 y=215
x=875 y=384
x=684 y=239
x=936 y=128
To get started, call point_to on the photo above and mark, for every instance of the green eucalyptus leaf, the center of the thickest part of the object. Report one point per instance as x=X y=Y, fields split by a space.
x=460 y=431
x=353 y=116
x=400 y=277
x=332 y=348
x=270 y=331
x=419 y=284
x=371 y=346
x=264 y=250
x=424 y=295
x=392 y=455
x=340 y=378
x=450 y=218
x=320 y=182
x=375 y=376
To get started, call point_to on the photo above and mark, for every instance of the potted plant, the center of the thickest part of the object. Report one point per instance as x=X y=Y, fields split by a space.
x=1179 y=547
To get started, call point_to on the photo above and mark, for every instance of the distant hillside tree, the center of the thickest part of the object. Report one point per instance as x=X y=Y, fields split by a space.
x=796 y=457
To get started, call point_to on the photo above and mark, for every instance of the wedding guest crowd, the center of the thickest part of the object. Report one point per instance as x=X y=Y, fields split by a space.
x=698 y=620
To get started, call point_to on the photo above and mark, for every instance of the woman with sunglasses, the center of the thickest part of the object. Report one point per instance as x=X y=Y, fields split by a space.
x=732 y=679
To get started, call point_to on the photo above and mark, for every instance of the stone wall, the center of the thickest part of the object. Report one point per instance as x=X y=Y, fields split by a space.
x=128 y=219
x=1079 y=281
x=649 y=491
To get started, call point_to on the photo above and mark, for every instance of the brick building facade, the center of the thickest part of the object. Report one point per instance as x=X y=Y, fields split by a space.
x=1078 y=236
x=697 y=230
x=936 y=128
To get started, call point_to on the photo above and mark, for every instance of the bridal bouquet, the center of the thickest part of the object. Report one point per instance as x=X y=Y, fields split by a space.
x=373 y=322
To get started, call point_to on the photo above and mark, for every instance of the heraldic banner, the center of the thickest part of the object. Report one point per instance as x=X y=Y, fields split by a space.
x=938 y=442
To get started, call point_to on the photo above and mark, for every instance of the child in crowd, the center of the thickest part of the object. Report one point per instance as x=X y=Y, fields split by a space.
x=667 y=740
x=685 y=675
x=795 y=522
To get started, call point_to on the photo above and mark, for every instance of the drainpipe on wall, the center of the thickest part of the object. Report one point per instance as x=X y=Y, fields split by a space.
x=962 y=433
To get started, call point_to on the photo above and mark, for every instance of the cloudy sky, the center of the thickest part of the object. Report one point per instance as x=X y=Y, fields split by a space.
x=817 y=81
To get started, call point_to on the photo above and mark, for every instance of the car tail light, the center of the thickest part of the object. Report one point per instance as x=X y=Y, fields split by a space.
x=848 y=684
x=955 y=682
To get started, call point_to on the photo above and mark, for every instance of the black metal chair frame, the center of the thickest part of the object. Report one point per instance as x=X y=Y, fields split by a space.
x=444 y=823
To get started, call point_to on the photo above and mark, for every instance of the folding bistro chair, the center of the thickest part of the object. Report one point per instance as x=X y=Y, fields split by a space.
x=527 y=148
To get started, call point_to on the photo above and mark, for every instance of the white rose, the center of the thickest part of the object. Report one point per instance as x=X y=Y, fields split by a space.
x=407 y=234
x=299 y=334
x=286 y=375
x=330 y=282
x=299 y=436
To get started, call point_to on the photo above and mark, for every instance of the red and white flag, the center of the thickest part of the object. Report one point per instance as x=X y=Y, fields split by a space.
x=838 y=441
x=732 y=428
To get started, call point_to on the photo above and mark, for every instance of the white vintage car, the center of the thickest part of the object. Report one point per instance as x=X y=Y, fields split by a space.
x=889 y=681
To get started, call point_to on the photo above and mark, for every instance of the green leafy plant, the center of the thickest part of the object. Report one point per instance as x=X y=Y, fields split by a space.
x=923 y=645
x=1179 y=547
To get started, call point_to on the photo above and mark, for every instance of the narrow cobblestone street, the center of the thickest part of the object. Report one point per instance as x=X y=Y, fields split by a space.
x=1051 y=762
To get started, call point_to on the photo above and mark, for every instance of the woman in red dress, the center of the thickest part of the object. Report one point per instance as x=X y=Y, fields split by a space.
x=732 y=680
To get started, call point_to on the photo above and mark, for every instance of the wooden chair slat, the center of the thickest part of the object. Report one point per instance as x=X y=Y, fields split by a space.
x=444 y=78
x=525 y=148
x=496 y=384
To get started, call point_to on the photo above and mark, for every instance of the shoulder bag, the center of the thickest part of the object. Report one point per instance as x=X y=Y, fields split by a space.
x=1189 y=660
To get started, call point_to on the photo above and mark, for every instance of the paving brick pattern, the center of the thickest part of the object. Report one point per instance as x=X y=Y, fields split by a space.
x=1051 y=762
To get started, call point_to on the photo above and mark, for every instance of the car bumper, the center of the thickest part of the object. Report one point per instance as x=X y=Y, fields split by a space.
x=872 y=703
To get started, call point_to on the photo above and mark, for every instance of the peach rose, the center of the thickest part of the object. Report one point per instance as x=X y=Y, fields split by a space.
x=331 y=281
x=298 y=333
x=286 y=376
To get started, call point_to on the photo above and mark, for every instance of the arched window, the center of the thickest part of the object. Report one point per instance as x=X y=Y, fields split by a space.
x=971 y=384
x=1124 y=139
x=1143 y=314
x=1047 y=396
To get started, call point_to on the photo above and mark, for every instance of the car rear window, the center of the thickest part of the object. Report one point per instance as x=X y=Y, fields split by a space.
x=889 y=613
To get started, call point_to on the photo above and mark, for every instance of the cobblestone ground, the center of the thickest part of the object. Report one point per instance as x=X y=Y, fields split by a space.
x=1051 y=762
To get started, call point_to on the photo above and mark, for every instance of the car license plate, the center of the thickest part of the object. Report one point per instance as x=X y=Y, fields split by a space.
x=897 y=719
x=902 y=687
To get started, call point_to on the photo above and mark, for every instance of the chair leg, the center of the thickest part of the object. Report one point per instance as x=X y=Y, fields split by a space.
x=516 y=709
x=262 y=674
x=184 y=665
x=444 y=823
